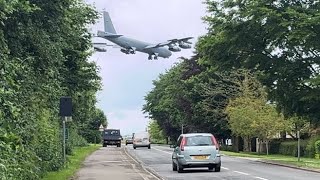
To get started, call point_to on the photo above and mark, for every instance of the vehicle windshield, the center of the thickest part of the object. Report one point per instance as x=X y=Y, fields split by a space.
x=112 y=132
x=199 y=141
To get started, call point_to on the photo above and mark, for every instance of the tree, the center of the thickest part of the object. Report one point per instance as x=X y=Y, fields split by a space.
x=156 y=132
x=278 y=38
x=250 y=115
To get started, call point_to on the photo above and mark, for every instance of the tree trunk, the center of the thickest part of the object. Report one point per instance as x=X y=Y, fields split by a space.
x=247 y=144
x=267 y=146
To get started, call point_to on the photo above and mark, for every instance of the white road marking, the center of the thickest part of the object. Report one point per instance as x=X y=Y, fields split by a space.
x=241 y=172
x=260 y=178
x=125 y=150
x=133 y=167
x=162 y=151
x=171 y=153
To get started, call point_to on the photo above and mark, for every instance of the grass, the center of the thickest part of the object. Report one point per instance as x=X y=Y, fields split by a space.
x=289 y=160
x=74 y=164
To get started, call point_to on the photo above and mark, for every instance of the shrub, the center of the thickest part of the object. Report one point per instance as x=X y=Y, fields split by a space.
x=290 y=148
x=311 y=146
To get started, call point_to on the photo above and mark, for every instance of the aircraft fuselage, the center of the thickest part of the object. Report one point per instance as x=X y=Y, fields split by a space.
x=126 y=42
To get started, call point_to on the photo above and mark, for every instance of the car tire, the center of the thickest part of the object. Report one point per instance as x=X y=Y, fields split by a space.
x=134 y=147
x=179 y=168
x=149 y=147
x=119 y=145
x=217 y=169
x=174 y=166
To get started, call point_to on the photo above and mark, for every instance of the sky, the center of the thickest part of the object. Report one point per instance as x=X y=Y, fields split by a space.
x=127 y=79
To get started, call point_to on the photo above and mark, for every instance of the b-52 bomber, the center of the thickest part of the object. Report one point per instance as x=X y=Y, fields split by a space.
x=130 y=46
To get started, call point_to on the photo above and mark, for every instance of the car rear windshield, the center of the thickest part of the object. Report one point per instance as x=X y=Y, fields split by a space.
x=112 y=132
x=199 y=141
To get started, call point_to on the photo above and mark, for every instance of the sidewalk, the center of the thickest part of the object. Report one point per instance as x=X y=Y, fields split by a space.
x=112 y=163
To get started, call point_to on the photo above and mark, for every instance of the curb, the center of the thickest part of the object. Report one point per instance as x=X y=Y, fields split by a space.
x=147 y=169
x=289 y=166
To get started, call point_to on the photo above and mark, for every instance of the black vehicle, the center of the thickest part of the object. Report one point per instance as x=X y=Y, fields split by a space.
x=112 y=137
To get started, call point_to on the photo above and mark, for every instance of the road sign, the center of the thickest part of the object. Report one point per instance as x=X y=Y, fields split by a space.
x=101 y=127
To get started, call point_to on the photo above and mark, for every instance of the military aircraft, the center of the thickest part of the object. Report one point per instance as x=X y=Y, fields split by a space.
x=130 y=46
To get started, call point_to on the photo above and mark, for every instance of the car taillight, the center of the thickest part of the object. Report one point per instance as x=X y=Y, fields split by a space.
x=214 y=141
x=183 y=143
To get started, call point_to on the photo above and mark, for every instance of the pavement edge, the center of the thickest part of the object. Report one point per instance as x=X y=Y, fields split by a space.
x=147 y=169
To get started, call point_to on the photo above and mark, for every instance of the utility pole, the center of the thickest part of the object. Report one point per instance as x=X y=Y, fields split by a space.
x=298 y=145
x=182 y=129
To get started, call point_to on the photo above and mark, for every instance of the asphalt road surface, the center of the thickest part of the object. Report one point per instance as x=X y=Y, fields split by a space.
x=158 y=159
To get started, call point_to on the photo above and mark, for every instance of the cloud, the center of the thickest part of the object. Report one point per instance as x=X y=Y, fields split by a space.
x=128 y=121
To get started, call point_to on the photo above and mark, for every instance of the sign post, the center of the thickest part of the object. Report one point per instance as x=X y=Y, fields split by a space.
x=298 y=134
x=65 y=112
x=101 y=128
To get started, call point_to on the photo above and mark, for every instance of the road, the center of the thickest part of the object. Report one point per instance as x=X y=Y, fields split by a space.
x=112 y=163
x=158 y=158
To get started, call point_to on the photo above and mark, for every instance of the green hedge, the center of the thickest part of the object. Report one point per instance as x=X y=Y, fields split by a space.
x=290 y=148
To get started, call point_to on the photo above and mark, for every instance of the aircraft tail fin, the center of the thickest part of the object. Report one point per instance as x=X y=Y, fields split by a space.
x=108 y=26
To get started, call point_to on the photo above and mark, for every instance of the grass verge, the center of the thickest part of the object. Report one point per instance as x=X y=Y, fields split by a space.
x=74 y=164
x=276 y=158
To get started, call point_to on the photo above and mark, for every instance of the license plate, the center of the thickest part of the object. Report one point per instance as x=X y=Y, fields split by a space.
x=200 y=157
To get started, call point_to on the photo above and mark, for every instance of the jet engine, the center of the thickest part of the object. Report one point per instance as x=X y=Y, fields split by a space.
x=184 y=45
x=126 y=51
x=174 y=49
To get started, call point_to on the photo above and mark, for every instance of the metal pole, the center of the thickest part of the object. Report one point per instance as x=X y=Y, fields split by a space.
x=298 y=145
x=182 y=129
x=64 y=139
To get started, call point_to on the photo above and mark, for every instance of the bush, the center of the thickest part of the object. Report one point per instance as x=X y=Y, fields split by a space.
x=290 y=148
x=311 y=146
x=317 y=149
x=275 y=146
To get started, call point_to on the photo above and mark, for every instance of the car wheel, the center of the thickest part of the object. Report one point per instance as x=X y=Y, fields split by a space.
x=119 y=145
x=134 y=147
x=217 y=169
x=179 y=168
x=174 y=166
x=149 y=147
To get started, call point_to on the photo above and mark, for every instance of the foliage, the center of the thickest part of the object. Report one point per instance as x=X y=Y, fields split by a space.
x=290 y=148
x=311 y=149
x=278 y=38
x=43 y=56
x=249 y=113
x=189 y=95
x=156 y=133
x=74 y=163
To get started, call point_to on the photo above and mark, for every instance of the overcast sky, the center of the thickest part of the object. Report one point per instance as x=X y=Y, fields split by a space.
x=128 y=78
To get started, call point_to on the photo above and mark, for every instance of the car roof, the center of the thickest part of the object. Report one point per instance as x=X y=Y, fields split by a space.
x=196 y=134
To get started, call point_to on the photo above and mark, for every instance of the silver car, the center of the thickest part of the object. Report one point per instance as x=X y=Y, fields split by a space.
x=196 y=150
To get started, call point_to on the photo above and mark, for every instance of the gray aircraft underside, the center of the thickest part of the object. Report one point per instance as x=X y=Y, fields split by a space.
x=130 y=45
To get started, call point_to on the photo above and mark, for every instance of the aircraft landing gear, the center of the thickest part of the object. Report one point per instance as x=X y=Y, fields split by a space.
x=152 y=56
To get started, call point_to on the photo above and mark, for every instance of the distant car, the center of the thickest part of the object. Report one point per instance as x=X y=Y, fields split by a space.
x=196 y=150
x=141 y=139
x=129 y=140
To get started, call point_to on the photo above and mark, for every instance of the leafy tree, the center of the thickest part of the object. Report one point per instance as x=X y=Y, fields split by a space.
x=156 y=133
x=43 y=56
x=276 y=37
x=250 y=115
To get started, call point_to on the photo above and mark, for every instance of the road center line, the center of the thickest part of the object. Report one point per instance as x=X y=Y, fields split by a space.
x=260 y=178
x=241 y=172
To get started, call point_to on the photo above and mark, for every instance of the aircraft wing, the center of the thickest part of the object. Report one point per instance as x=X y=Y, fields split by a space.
x=170 y=42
